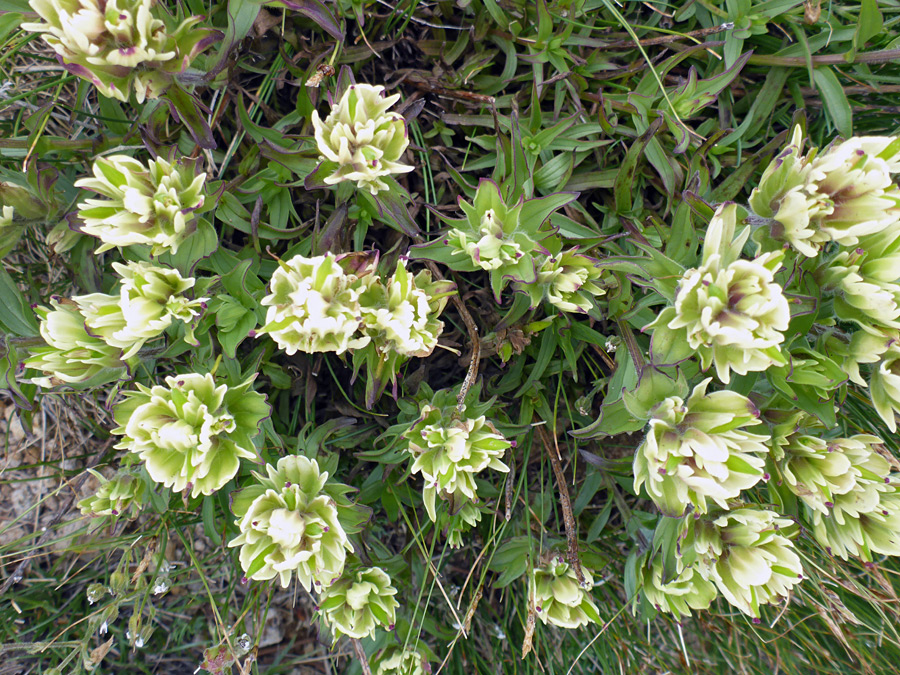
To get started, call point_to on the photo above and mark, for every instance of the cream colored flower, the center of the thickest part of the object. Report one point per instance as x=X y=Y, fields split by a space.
x=313 y=306
x=120 y=45
x=398 y=661
x=699 y=450
x=150 y=298
x=449 y=450
x=292 y=522
x=191 y=433
x=732 y=311
x=71 y=355
x=839 y=194
x=400 y=315
x=360 y=140
x=152 y=205
x=746 y=553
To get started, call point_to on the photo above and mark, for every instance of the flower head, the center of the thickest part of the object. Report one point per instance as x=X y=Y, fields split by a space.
x=840 y=194
x=191 y=433
x=558 y=598
x=293 y=521
x=153 y=205
x=360 y=140
x=449 y=450
x=313 y=306
x=698 y=450
x=150 y=298
x=120 y=45
x=746 y=553
x=359 y=602
x=732 y=311
x=71 y=355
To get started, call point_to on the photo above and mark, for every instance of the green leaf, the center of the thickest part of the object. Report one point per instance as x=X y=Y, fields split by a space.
x=624 y=186
x=836 y=105
x=16 y=317
x=869 y=24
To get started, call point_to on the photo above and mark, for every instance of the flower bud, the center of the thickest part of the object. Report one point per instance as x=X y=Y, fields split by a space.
x=358 y=602
x=558 y=598
x=120 y=496
x=677 y=594
x=398 y=661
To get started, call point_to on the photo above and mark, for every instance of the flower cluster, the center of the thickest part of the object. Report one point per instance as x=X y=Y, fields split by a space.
x=150 y=298
x=360 y=140
x=567 y=279
x=156 y=205
x=191 y=433
x=71 y=354
x=449 y=448
x=293 y=521
x=120 y=45
x=676 y=592
x=557 y=597
x=731 y=311
x=698 y=450
x=339 y=303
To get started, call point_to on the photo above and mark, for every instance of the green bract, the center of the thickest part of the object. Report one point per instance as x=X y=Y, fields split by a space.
x=557 y=597
x=360 y=140
x=294 y=521
x=72 y=355
x=731 y=311
x=191 y=433
x=149 y=299
x=398 y=661
x=154 y=205
x=449 y=449
x=115 y=497
x=314 y=306
x=697 y=450
x=884 y=386
x=495 y=237
x=120 y=45
x=678 y=593
x=840 y=194
x=745 y=553
x=360 y=601
x=459 y=524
